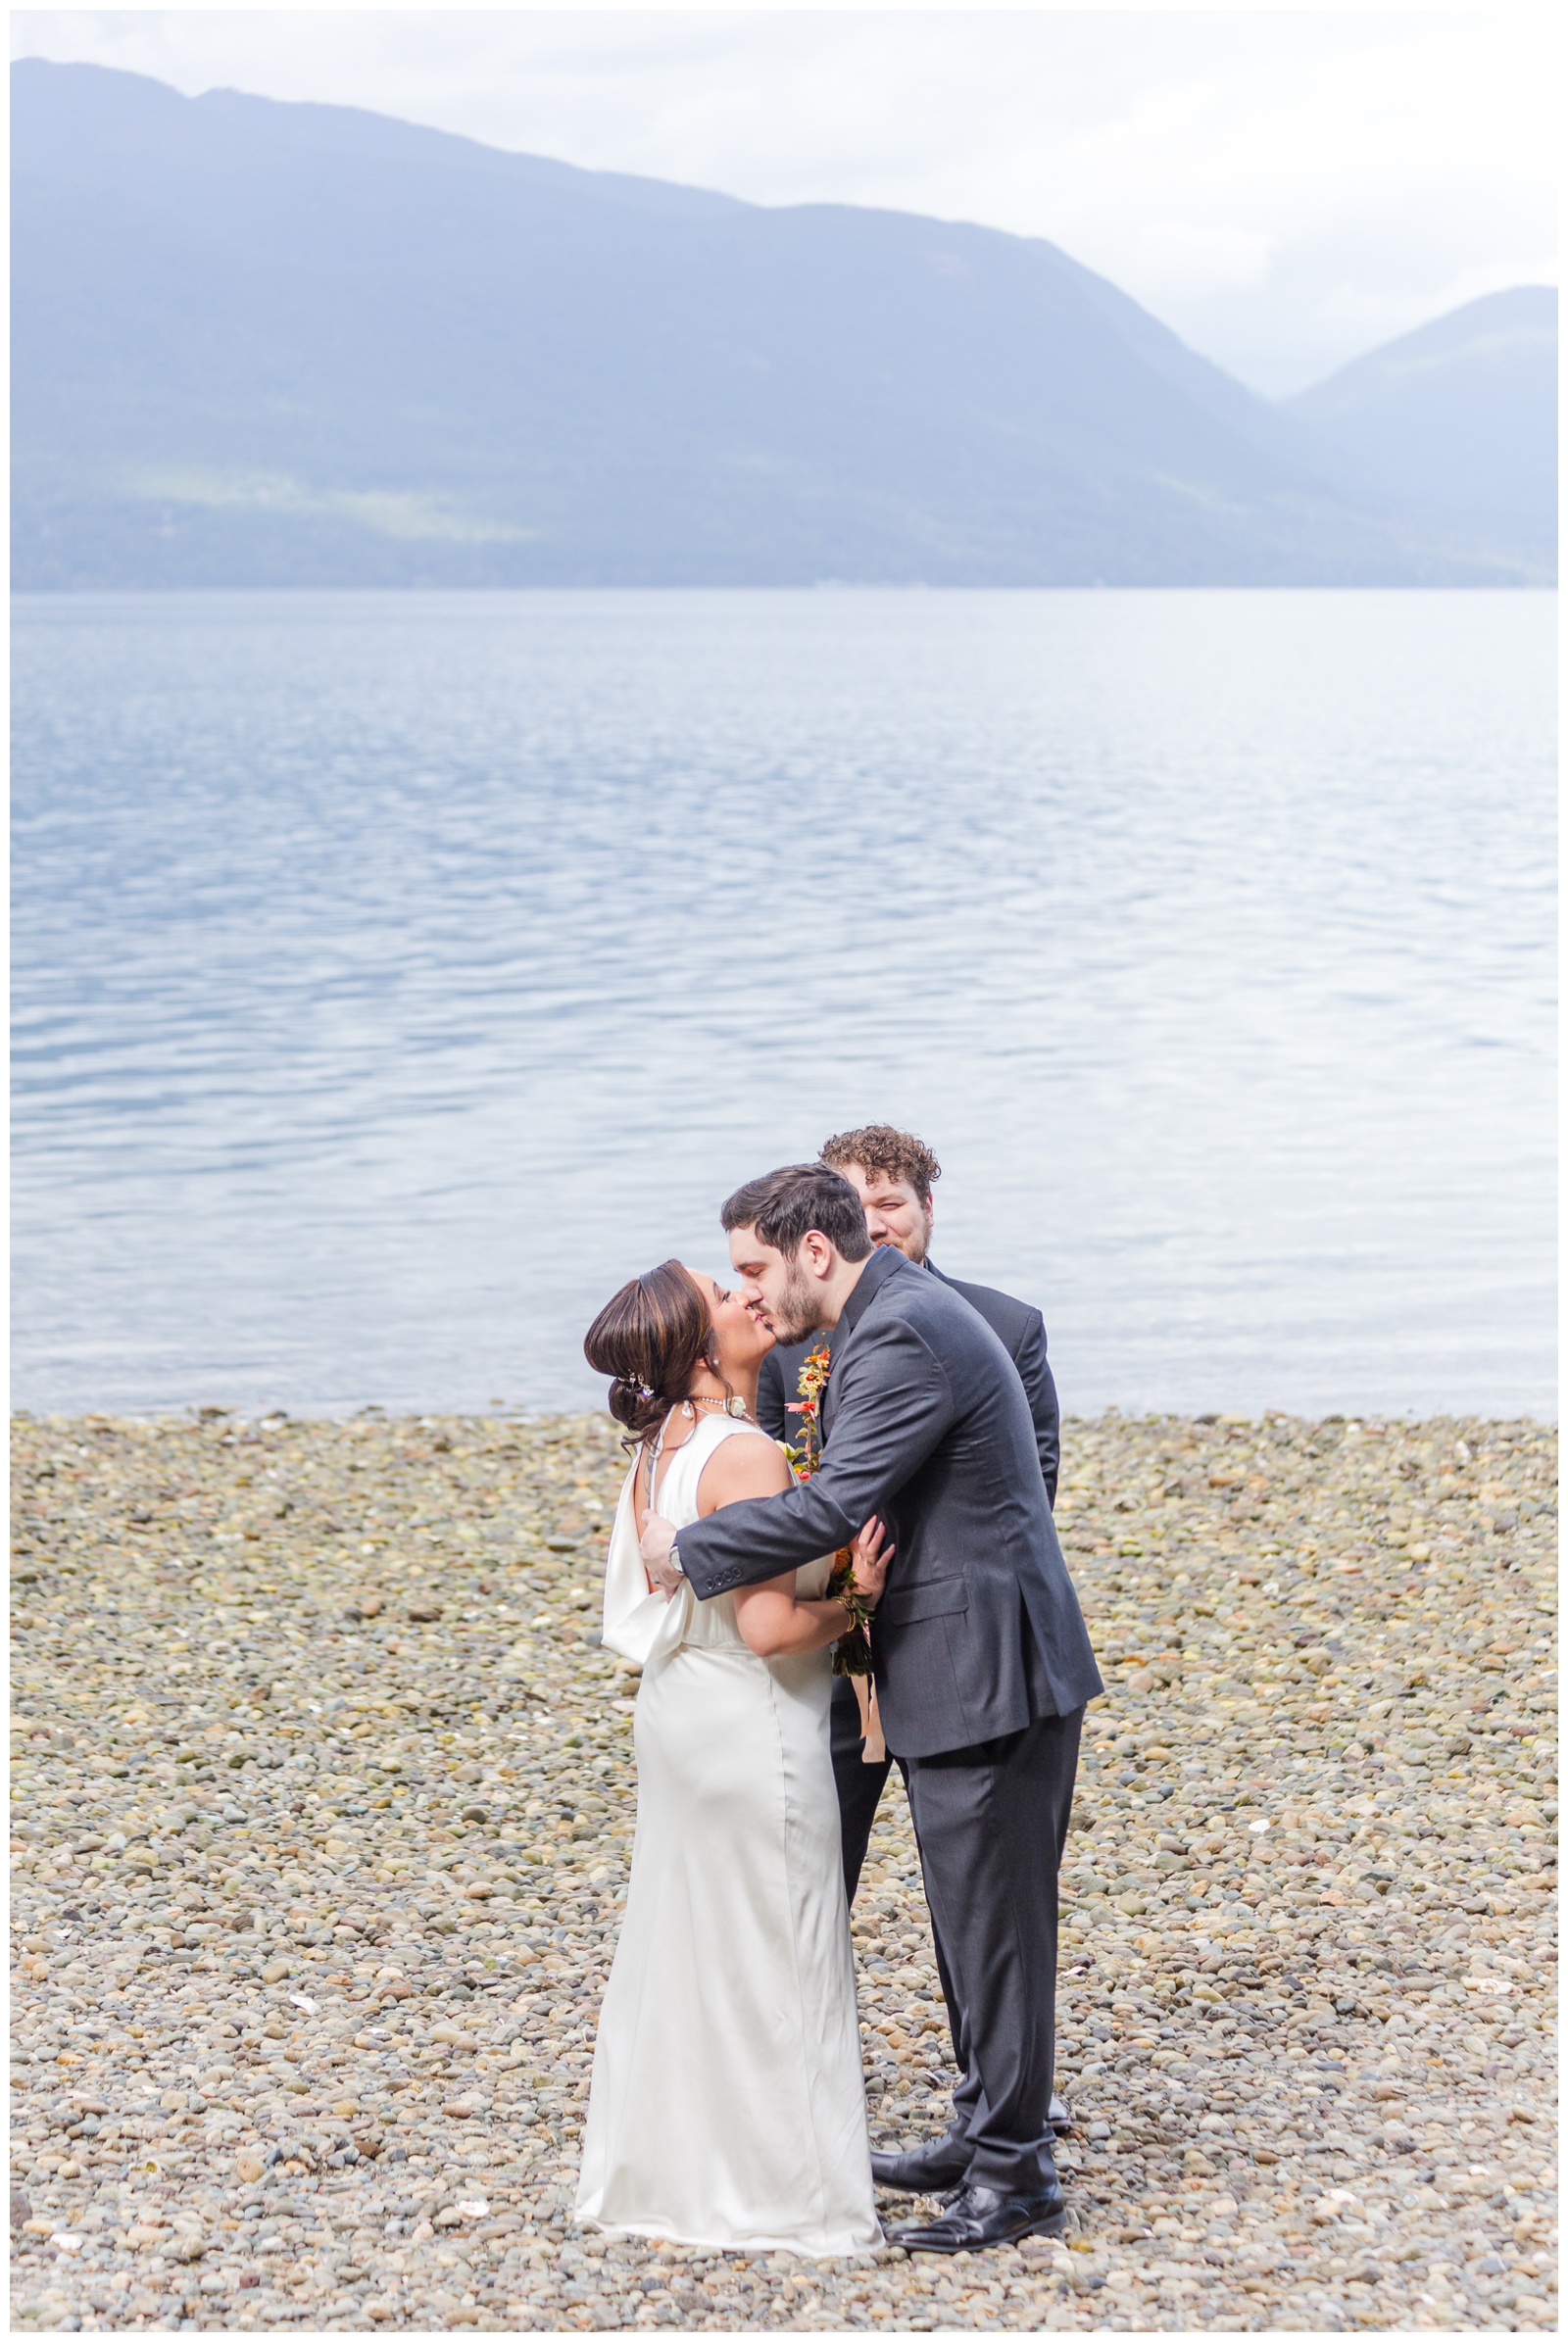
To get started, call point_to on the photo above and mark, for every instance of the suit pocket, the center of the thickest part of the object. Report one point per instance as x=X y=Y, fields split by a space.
x=938 y=1597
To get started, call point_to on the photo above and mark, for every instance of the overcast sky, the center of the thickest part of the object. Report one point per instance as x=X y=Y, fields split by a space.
x=1286 y=188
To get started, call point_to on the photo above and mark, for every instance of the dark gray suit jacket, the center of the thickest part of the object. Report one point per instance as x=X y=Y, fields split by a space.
x=926 y=1423
x=1022 y=1331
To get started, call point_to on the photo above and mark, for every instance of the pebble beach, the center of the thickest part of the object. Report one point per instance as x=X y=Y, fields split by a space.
x=324 y=1806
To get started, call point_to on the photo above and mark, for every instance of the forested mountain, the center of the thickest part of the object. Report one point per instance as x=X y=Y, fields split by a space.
x=268 y=344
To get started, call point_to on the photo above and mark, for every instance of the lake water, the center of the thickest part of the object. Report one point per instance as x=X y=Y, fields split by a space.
x=397 y=974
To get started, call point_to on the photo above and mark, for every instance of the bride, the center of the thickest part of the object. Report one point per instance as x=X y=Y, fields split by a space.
x=727 y=2105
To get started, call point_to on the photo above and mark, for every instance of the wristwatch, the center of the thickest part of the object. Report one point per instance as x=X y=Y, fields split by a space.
x=674 y=1560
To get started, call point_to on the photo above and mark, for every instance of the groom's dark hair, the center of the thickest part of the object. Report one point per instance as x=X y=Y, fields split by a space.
x=785 y=1205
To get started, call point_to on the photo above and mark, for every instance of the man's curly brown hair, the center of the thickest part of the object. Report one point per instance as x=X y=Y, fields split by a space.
x=896 y=1154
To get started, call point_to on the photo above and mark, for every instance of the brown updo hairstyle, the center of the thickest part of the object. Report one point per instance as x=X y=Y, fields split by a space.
x=652 y=1338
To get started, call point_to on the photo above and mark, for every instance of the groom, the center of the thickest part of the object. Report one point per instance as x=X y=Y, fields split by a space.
x=982 y=1663
x=895 y=1173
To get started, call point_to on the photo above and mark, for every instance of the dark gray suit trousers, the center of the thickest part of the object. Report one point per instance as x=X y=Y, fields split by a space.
x=992 y=1824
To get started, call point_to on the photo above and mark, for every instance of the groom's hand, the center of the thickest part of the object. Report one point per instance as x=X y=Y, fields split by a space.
x=658 y=1534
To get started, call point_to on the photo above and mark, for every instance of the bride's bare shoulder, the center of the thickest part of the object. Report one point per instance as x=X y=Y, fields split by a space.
x=746 y=1464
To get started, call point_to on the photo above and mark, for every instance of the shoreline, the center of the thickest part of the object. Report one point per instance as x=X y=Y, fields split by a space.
x=312 y=1712
x=529 y=1416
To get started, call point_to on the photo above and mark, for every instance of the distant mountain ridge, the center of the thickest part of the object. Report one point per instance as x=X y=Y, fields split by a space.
x=1459 y=417
x=267 y=344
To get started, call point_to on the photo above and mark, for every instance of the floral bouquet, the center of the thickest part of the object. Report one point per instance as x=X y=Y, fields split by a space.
x=851 y=1654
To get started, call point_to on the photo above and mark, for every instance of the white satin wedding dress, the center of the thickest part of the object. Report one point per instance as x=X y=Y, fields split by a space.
x=727 y=2105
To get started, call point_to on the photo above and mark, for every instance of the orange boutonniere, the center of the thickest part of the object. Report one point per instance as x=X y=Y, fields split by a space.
x=852 y=1653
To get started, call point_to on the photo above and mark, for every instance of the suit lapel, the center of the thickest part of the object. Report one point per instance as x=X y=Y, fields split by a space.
x=883 y=1263
x=835 y=1344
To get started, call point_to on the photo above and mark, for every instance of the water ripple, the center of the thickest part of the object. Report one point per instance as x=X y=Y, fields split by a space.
x=397 y=973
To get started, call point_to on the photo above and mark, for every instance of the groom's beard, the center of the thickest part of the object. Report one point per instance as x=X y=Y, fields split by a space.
x=797 y=1312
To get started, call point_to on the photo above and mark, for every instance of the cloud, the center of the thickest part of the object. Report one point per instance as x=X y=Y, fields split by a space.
x=1204 y=263
x=1284 y=188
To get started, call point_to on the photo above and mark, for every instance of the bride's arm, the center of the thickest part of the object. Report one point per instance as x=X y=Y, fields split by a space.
x=772 y=1621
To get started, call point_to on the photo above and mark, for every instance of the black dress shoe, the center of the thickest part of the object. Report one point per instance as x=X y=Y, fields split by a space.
x=928 y=2170
x=1060 y=2114
x=977 y=2216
